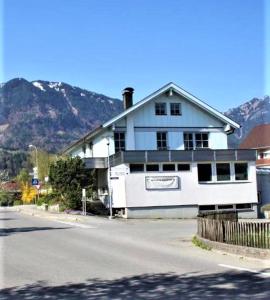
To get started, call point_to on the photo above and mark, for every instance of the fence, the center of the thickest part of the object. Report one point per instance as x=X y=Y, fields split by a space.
x=250 y=234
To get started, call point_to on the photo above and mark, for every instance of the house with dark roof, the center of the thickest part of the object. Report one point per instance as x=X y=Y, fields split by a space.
x=259 y=139
x=167 y=156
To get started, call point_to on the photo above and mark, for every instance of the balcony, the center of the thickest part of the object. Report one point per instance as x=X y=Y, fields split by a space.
x=154 y=156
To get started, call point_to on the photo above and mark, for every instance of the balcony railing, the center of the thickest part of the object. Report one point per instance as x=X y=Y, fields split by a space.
x=154 y=156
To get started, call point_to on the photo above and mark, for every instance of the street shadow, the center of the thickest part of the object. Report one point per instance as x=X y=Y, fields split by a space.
x=6 y=219
x=227 y=285
x=10 y=231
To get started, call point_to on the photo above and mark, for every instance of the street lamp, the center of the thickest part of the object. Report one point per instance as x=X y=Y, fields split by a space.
x=33 y=146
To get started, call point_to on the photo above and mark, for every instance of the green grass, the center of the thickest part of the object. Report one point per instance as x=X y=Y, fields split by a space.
x=200 y=244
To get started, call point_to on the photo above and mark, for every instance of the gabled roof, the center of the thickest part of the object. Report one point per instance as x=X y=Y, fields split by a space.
x=259 y=137
x=172 y=86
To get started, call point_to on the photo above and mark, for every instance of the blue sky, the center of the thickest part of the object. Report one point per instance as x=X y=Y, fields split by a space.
x=216 y=50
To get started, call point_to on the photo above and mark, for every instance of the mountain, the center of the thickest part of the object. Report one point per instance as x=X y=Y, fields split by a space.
x=248 y=115
x=48 y=114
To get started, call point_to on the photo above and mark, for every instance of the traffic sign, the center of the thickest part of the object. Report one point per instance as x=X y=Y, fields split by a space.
x=35 y=181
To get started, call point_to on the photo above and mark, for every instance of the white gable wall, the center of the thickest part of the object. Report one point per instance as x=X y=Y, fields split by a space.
x=141 y=126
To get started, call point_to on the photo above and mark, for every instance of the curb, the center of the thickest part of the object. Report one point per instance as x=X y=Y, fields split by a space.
x=237 y=250
x=45 y=215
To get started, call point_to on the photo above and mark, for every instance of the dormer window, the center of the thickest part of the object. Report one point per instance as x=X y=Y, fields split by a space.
x=160 y=109
x=175 y=109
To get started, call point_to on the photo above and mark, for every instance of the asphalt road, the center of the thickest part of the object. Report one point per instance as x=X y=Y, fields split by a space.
x=119 y=259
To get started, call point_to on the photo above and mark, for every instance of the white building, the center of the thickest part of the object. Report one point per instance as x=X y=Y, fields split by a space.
x=169 y=157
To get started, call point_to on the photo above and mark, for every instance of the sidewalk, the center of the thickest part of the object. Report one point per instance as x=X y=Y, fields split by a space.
x=34 y=211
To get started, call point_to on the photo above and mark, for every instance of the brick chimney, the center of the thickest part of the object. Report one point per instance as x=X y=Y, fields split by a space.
x=127 y=97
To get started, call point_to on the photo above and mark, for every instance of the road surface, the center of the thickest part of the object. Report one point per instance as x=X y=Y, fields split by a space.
x=119 y=259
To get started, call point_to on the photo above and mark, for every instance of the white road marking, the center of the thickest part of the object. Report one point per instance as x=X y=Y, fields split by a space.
x=77 y=225
x=264 y=274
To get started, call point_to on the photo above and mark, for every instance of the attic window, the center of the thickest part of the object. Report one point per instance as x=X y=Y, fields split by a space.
x=175 y=109
x=160 y=109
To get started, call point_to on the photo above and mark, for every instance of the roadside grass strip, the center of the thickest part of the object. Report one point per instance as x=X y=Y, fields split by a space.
x=261 y=274
x=77 y=225
x=200 y=244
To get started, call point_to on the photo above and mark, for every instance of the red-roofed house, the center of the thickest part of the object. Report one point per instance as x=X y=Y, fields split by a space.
x=259 y=139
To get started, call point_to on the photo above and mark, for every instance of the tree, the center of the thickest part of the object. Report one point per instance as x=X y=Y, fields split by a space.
x=44 y=159
x=67 y=178
x=28 y=192
x=23 y=176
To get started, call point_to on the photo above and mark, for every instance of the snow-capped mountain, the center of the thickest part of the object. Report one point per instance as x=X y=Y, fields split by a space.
x=248 y=115
x=49 y=114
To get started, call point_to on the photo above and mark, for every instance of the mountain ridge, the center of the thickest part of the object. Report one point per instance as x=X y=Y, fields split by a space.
x=49 y=114
x=248 y=115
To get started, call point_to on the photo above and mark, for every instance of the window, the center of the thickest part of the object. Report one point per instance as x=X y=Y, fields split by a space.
x=241 y=171
x=136 y=168
x=161 y=140
x=193 y=140
x=119 y=141
x=243 y=206
x=223 y=172
x=152 y=168
x=204 y=172
x=168 y=167
x=201 y=140
x=188 y=141
x=206 y=207
x=225 y=206
x=183 y=167
x=160 y=109
x=175 y=109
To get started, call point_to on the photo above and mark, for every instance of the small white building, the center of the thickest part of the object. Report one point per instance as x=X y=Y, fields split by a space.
x=167 y=156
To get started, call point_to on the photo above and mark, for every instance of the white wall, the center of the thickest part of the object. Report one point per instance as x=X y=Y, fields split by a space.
x=191 y=191
x=77 y=152
x=118 y=187
x=218 y=140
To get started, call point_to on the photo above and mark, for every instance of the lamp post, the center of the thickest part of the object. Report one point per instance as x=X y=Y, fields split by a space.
x=109 y=178
x=33 y=146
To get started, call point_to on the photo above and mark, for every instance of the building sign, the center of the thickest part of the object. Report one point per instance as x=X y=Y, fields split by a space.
x=162 y=182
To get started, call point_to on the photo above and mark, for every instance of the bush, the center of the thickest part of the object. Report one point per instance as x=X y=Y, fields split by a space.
x=18 y=202
x=67 y=178
x=265 y=207
x=49 y=199
x=6 y=198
